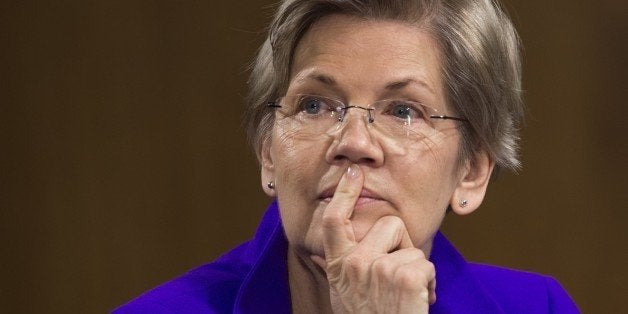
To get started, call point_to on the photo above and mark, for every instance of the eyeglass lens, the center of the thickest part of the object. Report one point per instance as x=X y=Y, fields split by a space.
x=398 y=119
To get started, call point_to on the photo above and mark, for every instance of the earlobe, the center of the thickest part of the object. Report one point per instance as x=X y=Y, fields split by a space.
x=267 y=168
x=473 y=183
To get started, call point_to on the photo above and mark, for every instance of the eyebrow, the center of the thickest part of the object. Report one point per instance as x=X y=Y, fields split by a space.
x=323 y=78
x=397 y=85
x=391 y=86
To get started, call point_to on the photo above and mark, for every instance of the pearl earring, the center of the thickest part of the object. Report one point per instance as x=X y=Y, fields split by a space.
x=271 y=185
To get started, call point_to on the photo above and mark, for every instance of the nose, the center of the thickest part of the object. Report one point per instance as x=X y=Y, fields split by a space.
x=354 y=142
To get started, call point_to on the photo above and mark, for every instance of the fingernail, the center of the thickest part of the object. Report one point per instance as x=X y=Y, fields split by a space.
x=353 y=171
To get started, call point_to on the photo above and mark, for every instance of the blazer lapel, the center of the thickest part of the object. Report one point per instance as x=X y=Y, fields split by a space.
x=265 y=288
x=457 y=289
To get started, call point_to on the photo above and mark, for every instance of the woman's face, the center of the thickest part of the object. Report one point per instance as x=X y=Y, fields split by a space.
x=359 y=62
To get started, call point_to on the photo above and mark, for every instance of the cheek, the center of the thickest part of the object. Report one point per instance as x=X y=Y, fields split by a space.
x=298 y=157
x=287 y=152
x=417 y=148
x=426 y=197
x=297 y=165
x=425 y=180
x=425 y=169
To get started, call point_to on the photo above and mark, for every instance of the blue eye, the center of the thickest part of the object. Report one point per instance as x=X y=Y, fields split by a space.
x=405 y=110
x=401 y=111
x=312 y=105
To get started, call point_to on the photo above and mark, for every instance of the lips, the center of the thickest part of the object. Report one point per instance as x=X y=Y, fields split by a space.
x=364 y=194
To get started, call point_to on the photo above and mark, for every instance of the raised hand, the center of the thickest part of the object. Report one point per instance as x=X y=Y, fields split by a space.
x=383 y=272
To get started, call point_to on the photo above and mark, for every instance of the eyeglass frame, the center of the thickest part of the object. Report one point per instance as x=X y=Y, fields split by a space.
x=345 y=108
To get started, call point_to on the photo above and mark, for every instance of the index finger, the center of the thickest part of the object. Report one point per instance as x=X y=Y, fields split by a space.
x=338 y=234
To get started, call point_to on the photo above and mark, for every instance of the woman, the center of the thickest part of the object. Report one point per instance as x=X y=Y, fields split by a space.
x=371 y=121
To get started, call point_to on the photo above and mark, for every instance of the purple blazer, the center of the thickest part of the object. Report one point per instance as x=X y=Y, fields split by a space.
x=253 y=278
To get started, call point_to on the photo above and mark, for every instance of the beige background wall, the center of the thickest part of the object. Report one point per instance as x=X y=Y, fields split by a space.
x=123 y=163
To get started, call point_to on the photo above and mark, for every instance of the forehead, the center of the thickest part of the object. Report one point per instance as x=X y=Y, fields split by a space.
x=372 y=54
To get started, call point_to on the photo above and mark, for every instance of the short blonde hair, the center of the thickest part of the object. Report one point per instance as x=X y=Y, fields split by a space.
x=481 y=65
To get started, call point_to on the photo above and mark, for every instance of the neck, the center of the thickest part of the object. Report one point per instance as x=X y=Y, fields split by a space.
x=309 y=289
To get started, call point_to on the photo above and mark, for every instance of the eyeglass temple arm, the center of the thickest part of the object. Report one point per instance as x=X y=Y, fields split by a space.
x=449 y=118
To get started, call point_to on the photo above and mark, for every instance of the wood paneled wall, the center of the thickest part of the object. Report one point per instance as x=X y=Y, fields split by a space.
x=123 y=160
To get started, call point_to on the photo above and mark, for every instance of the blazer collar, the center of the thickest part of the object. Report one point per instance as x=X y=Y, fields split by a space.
x=265 y=288
x=457 y=288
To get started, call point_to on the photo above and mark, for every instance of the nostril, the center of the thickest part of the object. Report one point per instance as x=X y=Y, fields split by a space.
x=356 y=144
x=367 y=160
x=363 y=160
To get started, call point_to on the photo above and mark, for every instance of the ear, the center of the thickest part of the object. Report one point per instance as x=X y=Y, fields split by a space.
x=268 y=167
x=472 y=185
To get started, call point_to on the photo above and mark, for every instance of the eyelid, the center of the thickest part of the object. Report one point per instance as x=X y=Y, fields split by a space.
x=411 y=103
x=415 y=106
x=327 y=101
x=422 y=106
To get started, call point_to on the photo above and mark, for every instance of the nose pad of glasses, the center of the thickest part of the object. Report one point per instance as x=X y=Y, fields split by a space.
x=342 y=112
x=369 y=118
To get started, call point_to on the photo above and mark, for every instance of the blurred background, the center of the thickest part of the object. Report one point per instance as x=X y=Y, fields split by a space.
x=123 y=162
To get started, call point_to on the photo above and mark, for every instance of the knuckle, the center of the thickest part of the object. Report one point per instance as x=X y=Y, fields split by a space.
x=431 y=268
x=332 y=219
x=427 y=268
x=382 y=267
x=418 y=253
x=410 y=279
x=356 y=263
x=392 y=220
x=344 y=192
x=395 y=223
